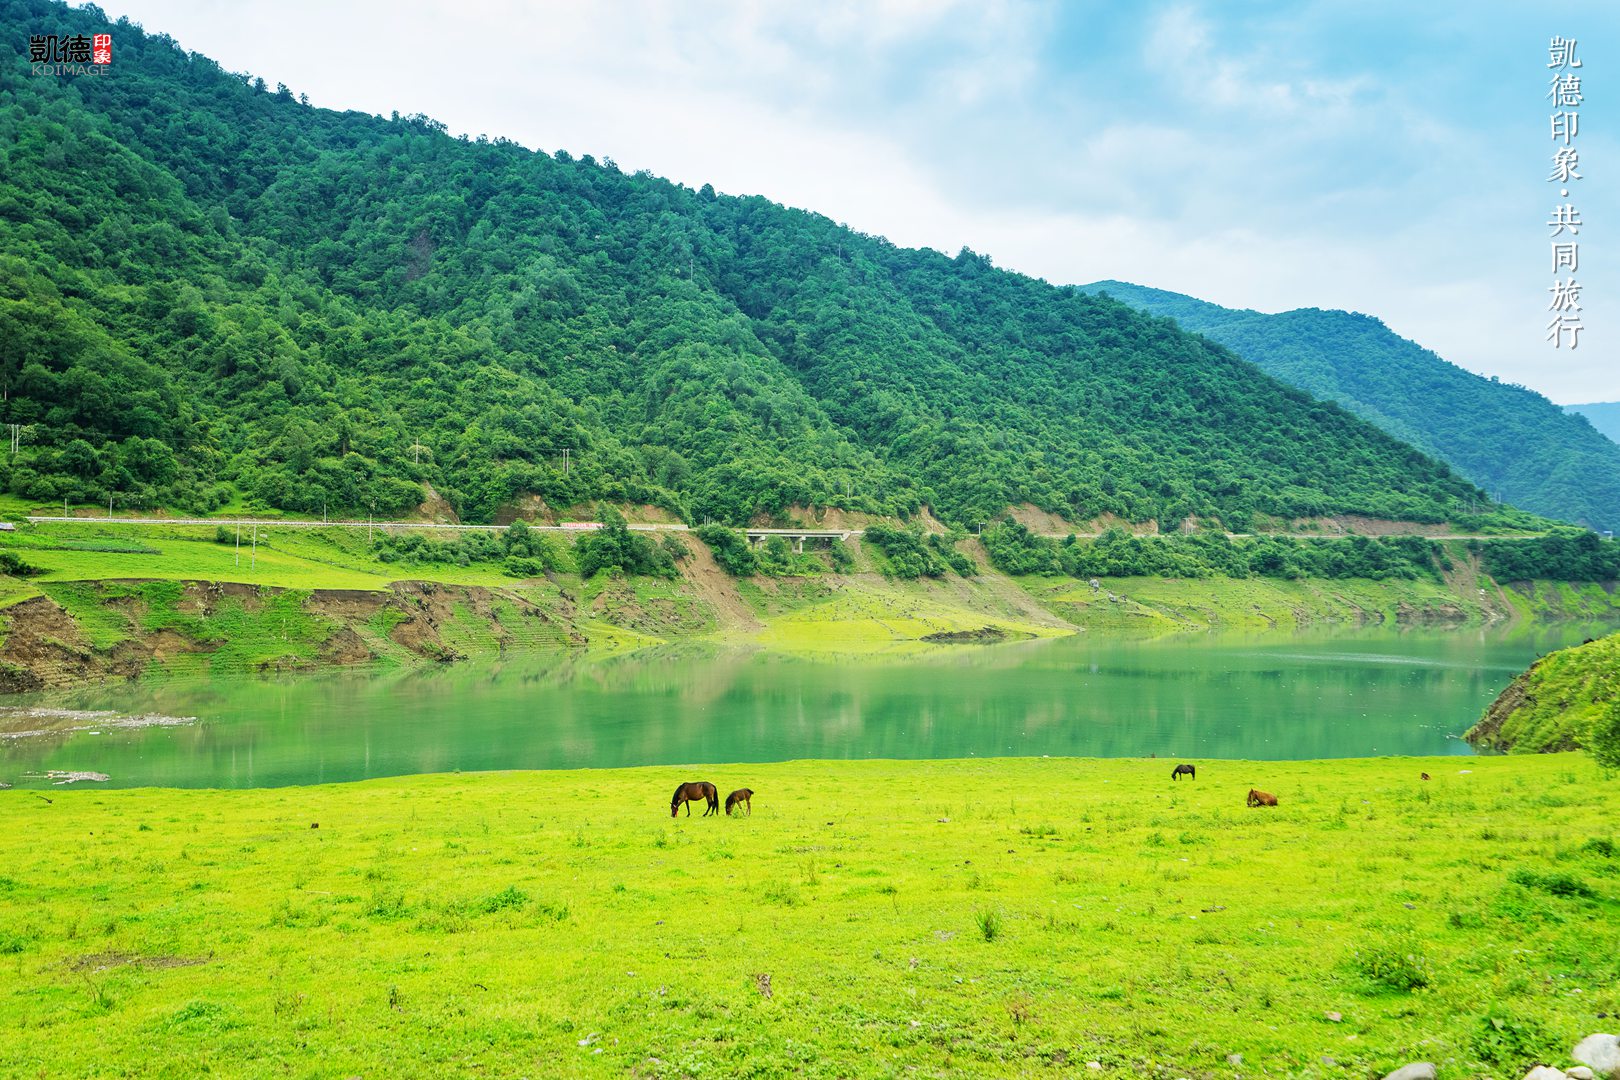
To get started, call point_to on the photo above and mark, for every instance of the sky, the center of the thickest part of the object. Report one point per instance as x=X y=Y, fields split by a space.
x=1378 y=157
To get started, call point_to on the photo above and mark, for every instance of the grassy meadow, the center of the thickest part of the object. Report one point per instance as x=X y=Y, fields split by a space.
x=964 y=918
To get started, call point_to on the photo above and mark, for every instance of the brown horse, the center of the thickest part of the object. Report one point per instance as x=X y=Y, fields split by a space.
x=1183 y=770
x=691 y=791
x=740 y=797
x=1261 y=798
x=1423 y=776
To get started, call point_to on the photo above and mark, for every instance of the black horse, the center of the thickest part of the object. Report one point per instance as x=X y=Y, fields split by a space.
x=1183 y=770
x=692 y=790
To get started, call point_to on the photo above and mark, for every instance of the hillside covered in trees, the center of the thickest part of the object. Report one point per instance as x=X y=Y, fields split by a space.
x=210 y=289
x=1509 y=440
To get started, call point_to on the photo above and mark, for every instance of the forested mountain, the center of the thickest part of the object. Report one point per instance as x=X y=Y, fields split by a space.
x=207 y=286
x=1510 y=441
x=1603 y=415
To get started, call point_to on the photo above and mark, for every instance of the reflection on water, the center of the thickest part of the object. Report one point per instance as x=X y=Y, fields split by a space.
x=1368 y=692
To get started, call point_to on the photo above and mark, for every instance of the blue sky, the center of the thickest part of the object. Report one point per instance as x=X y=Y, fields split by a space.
x=1379 y=157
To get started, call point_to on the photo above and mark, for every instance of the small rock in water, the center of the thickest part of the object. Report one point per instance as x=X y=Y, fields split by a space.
x=1579 y=1072
x=1601 y=1052
x=1545 y=1072
x=1418 y=1070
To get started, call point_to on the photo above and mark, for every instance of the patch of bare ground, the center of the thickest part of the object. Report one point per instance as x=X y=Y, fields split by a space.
x=1516 y=696
x=43 y=646
x=90 y=963
x=1049 y=524
x=346 y=648
x=1466 y=578
x=425 y=606
x=434 y=508
x=1359 y=525
x=530 y=508
x=830 y=517
x=716 y=588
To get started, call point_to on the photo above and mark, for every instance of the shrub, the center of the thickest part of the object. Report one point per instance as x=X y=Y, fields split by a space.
x=1603 y=737
x=13 y=564
x=1555 y=884
x=730 y=549
x=674 y=547
x=988 y=920
x=1392 y=965
x=1513 y=1043
x=507 y=899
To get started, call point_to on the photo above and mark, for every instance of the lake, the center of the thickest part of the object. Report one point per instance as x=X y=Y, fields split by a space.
x=1359 y=693
x=1330 y=695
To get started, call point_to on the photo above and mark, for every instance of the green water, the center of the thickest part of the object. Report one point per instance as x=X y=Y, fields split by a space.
x=1363 y=693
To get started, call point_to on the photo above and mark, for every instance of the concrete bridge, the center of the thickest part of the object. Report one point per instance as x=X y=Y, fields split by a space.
x=799 y=536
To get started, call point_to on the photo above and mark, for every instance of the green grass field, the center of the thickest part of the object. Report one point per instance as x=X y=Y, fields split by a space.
x=285 y=557
x=983 y=918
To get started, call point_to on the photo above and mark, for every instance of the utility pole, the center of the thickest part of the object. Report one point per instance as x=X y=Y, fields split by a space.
x=253 y=555
x=238 y=543
x=16 y=437
x=565 y=461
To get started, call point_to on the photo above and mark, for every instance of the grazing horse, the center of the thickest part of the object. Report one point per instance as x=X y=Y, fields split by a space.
x=1261 y=798
x=1423 y=776
x=1183 y=770
x=692 y=790
x=740 y=797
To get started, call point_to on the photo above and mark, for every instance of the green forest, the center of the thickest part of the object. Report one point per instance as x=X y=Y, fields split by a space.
x=213 y=294
x=1511 y=441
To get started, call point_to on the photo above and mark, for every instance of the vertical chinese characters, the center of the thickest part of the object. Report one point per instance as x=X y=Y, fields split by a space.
x=1564 y=92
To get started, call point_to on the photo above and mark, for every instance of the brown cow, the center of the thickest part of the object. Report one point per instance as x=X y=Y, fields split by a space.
x=1261 y=798
x=740 y=797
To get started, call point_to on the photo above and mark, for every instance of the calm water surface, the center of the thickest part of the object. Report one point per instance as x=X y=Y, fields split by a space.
x=1350 y=694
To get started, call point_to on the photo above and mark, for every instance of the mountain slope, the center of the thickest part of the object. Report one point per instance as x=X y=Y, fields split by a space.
x=211 y=288
x=1510 y=441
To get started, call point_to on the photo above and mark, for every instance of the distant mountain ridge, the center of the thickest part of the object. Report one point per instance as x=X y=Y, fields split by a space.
x=1603 y=415
x=1511 y=441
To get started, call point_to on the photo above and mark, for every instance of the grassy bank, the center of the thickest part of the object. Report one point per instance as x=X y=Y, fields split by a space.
x=1554 y=705
x=110 y=602
x=1017 y=917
